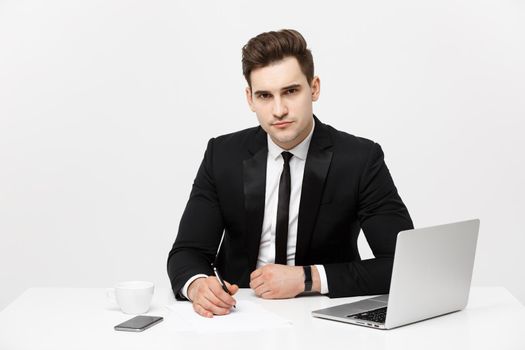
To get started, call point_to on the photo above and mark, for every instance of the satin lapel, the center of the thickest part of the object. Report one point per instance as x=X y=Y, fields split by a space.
x=315 y=172
x=254 y=177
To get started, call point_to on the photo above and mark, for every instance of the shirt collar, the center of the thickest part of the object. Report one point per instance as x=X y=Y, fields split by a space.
x=300 y=151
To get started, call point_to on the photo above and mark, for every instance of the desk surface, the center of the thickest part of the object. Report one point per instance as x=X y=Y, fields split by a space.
x=82 y=318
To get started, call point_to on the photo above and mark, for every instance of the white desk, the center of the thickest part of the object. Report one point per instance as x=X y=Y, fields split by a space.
x=82 y=318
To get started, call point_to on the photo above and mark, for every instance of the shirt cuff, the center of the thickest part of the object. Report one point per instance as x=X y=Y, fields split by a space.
x=184 y=290
x=323 y=280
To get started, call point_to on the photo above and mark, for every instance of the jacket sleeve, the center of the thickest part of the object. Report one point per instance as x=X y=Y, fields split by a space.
x=200 y=228
x=382 y=215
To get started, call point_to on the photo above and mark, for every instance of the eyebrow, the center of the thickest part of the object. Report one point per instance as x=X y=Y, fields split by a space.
x=293 y=86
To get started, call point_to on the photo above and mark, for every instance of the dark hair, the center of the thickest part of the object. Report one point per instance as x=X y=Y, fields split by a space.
x=270 y=47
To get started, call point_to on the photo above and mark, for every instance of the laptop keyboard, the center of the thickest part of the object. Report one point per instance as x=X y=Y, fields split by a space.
x=377 y=315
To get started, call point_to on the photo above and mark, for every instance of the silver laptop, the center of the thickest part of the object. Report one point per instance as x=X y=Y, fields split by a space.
x=431 y=277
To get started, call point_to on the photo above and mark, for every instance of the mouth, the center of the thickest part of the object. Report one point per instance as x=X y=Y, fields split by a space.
x=282 y=124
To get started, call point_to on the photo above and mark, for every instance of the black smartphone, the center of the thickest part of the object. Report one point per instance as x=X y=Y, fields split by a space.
x=138 y=323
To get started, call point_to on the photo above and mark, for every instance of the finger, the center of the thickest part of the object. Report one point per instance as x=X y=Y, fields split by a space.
x=233 y=288
x=262 y=289
x=255 y=274
x=267 y=294
x=214 y=308
x=221 y=294
x=209 y=301
x=202 y=311
x=210 y=306
x=219 y=297
x=263 y=293
x=256 y=283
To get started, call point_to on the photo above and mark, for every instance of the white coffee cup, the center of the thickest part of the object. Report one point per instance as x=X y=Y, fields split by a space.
x=133 y=297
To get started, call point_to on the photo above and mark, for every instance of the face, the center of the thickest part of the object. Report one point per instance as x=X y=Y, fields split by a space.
x=282 y=99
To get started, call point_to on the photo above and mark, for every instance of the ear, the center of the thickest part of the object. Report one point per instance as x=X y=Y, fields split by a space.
x=315 y=86
x=249 y=98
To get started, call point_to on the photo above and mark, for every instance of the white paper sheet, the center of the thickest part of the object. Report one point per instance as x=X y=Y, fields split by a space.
x=247 y=317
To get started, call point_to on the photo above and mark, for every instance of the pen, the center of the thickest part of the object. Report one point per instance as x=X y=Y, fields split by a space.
x=221 y=281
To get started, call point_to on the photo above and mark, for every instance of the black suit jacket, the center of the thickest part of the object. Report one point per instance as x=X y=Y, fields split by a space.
x=346 y=187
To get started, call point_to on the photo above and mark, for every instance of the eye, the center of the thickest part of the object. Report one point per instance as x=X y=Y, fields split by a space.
x=291 y=91
x=264 y=96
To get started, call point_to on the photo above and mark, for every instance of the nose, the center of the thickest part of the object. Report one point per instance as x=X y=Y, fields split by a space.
x=280 y=109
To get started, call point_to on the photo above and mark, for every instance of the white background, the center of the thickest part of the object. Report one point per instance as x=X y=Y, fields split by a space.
x=106 y=108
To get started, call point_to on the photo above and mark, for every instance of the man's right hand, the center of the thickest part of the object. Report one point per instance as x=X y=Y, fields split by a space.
x=209 y=298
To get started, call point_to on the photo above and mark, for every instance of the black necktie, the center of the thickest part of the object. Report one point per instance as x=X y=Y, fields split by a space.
x=283 y=209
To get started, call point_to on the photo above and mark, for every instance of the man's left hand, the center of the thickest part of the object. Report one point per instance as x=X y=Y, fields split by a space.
x=275 y=281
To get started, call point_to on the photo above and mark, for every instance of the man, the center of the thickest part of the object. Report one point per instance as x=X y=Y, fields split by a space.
x=290 y=196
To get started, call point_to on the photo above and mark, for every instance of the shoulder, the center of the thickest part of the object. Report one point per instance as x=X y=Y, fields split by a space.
x=345 y=143
x=353 y=154
x=235 y=139
x=236 y=145
x=342 y=137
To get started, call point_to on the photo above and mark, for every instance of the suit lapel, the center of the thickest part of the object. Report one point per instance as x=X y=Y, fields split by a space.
x=254 y=178
x=315 y=172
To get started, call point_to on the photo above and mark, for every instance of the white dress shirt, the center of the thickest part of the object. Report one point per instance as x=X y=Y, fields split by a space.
x=274 y=168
